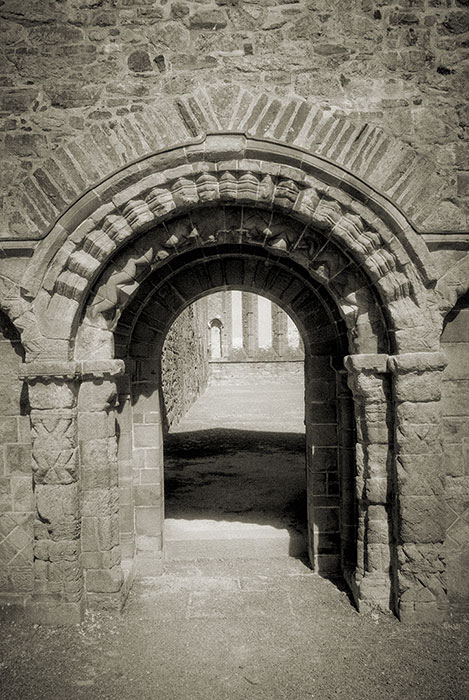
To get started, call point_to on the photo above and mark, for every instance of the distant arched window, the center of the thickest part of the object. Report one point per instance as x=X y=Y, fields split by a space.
x=215 y=326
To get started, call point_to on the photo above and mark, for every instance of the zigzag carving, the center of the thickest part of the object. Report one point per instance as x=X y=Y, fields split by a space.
x=278 y=187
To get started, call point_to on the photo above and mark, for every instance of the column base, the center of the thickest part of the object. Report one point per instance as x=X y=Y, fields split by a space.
x=370 y=592
x=422 y=613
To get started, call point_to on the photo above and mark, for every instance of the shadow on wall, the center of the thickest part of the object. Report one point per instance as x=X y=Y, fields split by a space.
x=238 y=476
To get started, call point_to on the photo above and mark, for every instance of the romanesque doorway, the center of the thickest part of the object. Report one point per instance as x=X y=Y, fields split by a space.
x=235 y=213
x=234 y=448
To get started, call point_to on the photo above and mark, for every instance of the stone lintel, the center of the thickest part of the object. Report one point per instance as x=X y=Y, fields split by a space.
x=53 y=370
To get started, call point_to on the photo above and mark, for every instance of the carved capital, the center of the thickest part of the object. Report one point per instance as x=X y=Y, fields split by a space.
x=48 y=371
x=417 y=376
x=366 y=377
x=53 y=371
x=417 y=362
x=368 y=364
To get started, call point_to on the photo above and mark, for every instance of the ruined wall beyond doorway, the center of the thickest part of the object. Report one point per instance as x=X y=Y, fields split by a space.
x=184 y=363
x=265 y=332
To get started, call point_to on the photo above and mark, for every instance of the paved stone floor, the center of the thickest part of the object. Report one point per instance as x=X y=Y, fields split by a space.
x=235 y=628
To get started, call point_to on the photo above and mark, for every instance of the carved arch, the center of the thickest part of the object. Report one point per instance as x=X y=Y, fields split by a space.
x=328 y=208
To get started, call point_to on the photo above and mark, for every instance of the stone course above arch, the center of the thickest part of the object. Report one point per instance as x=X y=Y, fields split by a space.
x=393 y=167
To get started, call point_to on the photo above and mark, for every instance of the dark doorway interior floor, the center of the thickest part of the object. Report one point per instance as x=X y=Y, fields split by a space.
x=235 y=472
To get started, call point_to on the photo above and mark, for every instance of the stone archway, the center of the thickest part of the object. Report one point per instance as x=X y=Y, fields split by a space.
x=162 y=232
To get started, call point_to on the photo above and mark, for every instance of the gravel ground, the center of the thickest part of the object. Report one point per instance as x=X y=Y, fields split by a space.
x=235 y=630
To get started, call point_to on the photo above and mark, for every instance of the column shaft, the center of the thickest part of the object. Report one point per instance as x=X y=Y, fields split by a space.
x=369 y=384
x=419 y=476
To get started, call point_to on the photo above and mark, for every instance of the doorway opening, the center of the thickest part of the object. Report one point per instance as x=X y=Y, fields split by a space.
x=234 y=460
x=146 y=419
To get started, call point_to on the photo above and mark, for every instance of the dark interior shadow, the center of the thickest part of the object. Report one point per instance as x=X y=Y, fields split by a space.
x=243 y=476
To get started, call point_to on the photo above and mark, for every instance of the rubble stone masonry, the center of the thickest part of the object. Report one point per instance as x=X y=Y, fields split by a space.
x=358 y=81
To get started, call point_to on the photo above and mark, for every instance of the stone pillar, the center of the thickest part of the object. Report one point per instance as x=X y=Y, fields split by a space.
x=371 y=581
x=147 y=459
x=74 y=473
x=279 y=331
x=58 y=581
x=419 y=476
x=346 y=438
x=125 y=466
x=227 y=328
x=322 y=484
x=250 y=324
x=101 y=556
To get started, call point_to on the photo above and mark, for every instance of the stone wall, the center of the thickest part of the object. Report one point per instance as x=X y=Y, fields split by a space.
x=455 y=398
x=353 y=119
x=16 y=491
x=82 y=82
x=256 y=371
x=184 y=363
x=263 y=333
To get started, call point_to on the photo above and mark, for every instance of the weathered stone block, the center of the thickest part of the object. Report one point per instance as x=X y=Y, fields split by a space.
x=148 y=520
x=323 y=459
x=89 y=534
x=97 y=502
x=104 y=580
x=322 y=435
x=146 y=436
x=94 y=453
x=22 y=493
x=418 y=412
x=454 y=459
x=108 y=532
x=422 y=519
x=458 y=361
x=376 y=489
x=372 y=427
x=52 y=394
x=417 y=439
x=208 y=19
x=92 y=560
x=57 y=503
x=18 y=459
x=418 y=387
x=24 y=144
x=326 y=519
x=98 y=475
x=64 y=551
x=8 y=430
x=98 y=395
x=150 y=476
x=420 y=475
x=147 y=495
x=139 y=62
x=455 y=397
x=93 y=425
